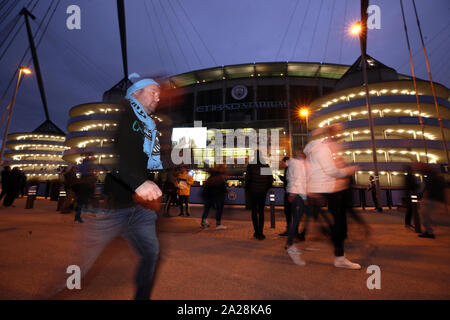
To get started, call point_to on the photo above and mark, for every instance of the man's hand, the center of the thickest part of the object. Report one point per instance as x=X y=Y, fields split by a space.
x=148 y=191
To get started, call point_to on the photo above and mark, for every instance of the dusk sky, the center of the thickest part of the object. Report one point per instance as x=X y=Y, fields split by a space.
x=79 y=65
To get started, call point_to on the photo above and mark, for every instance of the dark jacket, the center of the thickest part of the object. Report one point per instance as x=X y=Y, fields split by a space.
x=131 y=166
x=215 y=187
x=255 y=182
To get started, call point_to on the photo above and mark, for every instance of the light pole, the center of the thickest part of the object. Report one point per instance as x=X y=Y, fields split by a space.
x=11 y=106
x=360 y=30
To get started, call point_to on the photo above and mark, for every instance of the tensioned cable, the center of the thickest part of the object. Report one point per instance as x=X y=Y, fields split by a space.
x=8 y=11
x=154 y=36
x=444 y=142
x=60 y=40
x=185 y=33
x=2 y=4
x=174 y=34
x=195 y=29
x=432 y=51
x=301 y=30
x=15 y=35
x=428 y=43
x=287 y=29
x=20 y=63
x=315 y=28
x=414 y=81
x=8 y=30
x=164 y=37
x=342 y=33
x=329 y=29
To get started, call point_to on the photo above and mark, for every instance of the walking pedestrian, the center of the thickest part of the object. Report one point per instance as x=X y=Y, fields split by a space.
x=258 y=180
x=138 y=150
x=184 y=182
x=329 y=181
x=433 y=199
x=297 y=190
x=13 y=187
x=373 y=189
x=214 y=191
x=6 y=174
x=170 y=189
x=70 y=178
x=286 y=202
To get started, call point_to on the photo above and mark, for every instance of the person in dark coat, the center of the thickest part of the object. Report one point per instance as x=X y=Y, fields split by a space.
x=6 y=173
x=12 y=191
x=258 y=180
x=214 y=191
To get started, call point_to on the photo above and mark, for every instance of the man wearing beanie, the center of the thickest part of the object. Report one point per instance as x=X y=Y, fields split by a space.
x=130 y=193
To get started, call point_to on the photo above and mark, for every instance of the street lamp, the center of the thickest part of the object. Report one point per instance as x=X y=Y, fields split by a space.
x=359 y=29
x=11 y=105
x=304 y=112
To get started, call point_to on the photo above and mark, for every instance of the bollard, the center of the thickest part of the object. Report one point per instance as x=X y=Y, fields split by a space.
x=272 y=209
x=61 y=199
x=31 y=195
x=415 y=213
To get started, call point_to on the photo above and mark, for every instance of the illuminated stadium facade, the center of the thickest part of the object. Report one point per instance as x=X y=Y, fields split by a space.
x=39 y=153
x=249 y=96
x=397 y=129
x=269 y=96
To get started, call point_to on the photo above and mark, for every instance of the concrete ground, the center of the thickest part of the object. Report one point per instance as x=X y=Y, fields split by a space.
x=203 y=264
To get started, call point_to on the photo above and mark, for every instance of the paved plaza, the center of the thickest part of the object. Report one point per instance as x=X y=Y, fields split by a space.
x=203 y=264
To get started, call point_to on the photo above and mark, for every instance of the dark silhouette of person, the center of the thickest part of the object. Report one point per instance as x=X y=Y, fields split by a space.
x=13 y=188
x=6 y=173
x=257 y=184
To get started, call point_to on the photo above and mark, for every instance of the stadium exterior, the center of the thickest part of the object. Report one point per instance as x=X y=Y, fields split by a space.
x=38 y=153
x=398 y=133
x=247 y=96
x=268 y=96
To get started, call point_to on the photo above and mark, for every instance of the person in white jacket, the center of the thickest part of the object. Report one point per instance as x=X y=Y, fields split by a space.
x=327 y=178
x=296 y=189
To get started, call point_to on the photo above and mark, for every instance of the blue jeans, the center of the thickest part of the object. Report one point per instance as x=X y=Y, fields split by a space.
x=137 y=225
x=219 y=202
x=298 y=206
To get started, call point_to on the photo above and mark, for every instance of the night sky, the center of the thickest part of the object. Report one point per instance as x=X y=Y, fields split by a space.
x=79 y=65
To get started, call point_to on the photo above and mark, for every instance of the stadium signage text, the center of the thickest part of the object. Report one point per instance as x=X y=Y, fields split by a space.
x=245 y=105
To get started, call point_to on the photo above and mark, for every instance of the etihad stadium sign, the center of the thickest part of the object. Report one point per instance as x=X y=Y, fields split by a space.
x=244 y=105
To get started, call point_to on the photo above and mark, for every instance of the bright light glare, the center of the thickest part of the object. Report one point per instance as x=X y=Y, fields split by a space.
x=356 y=28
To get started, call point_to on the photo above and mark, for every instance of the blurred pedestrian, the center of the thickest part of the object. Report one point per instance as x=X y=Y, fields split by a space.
x=433 y=199
x=13 y=187
x=412 y=186
x=170 y=190
x=6 y=174
x=214 y=192
x=286 y=203
x=330 y=182
x=84 y=190
x=70 y=179
x=133 y=214
x=297 y=190
x=184 y=182
x=258 y=180
x=373 y=189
